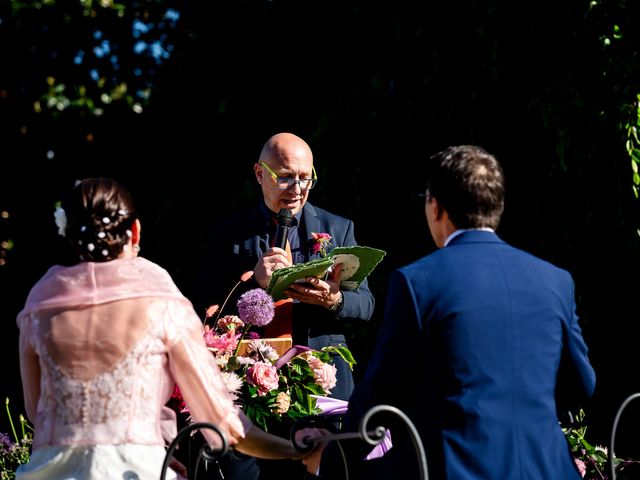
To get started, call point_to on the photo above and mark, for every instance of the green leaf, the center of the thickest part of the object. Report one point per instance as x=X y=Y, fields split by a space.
x=296 y=394
x=315 y=389
x=344 y=352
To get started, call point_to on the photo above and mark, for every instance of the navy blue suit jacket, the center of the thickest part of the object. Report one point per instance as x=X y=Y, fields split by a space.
x=236 y=244
x=474 y=338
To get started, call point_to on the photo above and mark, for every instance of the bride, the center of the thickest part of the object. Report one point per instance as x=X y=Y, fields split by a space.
x=102 y=344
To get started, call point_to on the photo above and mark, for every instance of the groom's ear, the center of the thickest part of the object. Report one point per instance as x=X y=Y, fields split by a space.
x=434 y=208
x=439 y=210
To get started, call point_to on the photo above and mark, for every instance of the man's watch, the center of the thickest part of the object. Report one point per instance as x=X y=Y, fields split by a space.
x=338 y=305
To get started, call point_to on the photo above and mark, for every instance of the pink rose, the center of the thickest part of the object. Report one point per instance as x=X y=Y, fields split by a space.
x=264 y=376
x=325 y=376
x=324 y=373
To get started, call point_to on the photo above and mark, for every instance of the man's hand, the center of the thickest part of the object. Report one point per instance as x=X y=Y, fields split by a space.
x=178 y=467
x=312 y=459
x=318 y=292
x=273 y=259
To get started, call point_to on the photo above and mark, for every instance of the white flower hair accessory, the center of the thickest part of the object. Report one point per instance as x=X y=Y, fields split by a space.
x=61 y=220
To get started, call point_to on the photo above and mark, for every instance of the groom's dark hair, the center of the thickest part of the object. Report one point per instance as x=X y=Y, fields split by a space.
x=468 y=182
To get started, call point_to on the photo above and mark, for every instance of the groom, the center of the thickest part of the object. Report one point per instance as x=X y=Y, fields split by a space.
x=487 y=338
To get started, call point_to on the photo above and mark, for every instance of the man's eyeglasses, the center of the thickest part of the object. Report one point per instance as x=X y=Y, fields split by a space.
x=285 y=183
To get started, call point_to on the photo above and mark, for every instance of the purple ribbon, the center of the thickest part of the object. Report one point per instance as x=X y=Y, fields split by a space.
x=289 y=354
x=334 y=406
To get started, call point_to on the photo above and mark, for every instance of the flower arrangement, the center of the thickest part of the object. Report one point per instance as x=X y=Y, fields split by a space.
x=16 y=452
x=268 y=387
x=322 y=241
x=592 y=461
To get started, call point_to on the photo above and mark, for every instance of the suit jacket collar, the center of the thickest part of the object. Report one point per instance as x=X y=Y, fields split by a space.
x=310 y=224
x=310 y=216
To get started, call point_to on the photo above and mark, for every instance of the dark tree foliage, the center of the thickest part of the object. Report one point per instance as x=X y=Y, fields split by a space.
x=374 y=87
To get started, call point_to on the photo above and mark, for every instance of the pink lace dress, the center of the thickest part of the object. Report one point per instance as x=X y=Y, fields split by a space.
x=101 y=346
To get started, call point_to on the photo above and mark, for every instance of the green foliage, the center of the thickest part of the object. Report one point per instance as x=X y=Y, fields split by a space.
x=296 y=378
x=633 y=143
x=297 y=381
x=6 y=243
x=618 y=39
x=16 y=452
x=593 y=461
x=343 y=352
x=87 y=55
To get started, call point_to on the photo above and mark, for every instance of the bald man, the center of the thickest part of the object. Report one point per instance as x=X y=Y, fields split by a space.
x=320 y=309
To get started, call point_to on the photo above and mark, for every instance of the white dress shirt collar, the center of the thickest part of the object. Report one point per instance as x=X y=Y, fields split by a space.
x=462 y=230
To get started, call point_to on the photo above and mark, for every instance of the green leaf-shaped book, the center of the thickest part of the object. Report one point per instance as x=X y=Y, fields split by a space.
x=357 y=263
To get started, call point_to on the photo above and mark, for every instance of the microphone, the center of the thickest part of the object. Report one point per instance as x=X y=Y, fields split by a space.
x=285 y=219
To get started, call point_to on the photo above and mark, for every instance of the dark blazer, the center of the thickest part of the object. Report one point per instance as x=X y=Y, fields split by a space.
x=236 y=244
x=473 y=340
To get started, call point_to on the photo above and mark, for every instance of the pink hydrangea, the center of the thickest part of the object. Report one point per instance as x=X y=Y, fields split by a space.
x=264 y=376
x=582 y=468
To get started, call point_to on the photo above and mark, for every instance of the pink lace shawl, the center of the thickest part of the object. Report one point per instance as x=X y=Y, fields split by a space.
x=101 y=346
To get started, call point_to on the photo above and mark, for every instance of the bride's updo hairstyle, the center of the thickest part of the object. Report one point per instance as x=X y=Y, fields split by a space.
x=99 y=215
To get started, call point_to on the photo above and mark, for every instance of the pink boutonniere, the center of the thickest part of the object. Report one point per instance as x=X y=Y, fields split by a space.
x=321 y=242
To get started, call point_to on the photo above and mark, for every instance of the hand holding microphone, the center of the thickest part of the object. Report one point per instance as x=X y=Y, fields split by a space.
x=272 y=260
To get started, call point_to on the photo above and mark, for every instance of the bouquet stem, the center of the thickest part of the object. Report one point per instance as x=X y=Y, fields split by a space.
x=243 y=278
x=13 y=428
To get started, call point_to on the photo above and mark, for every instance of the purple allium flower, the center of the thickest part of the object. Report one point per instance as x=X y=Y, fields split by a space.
x=5 y=440
x=256 y=307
